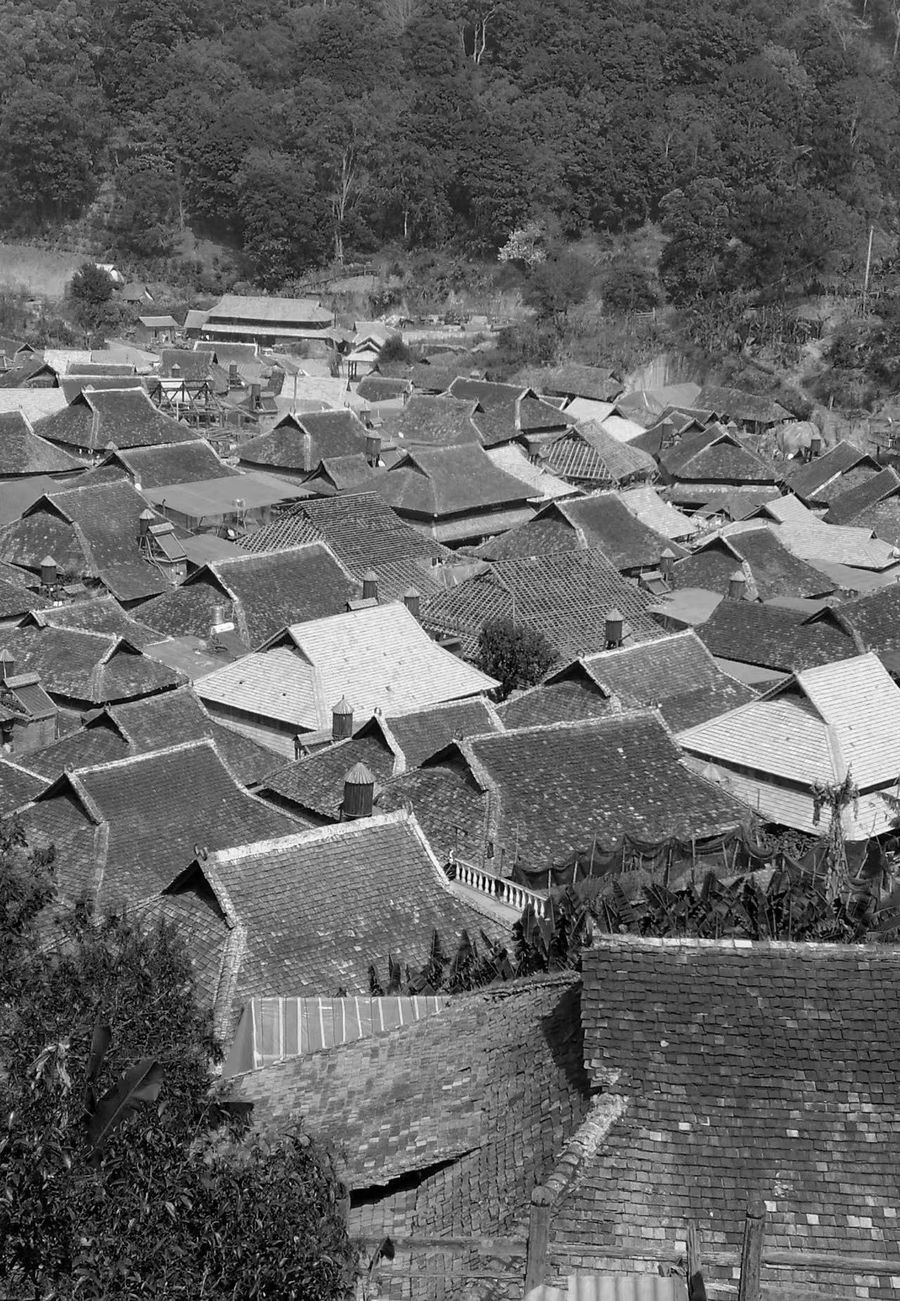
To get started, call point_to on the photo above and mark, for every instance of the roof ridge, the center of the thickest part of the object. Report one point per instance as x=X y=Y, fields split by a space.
x=801 y=948
x=308 y=836
x=131 y=759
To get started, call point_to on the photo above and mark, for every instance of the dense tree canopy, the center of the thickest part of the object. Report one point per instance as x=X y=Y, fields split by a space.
x=305 y=131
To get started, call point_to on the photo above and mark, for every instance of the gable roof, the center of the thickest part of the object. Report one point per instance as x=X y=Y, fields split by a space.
x=319 y=906
x=564 y=698
x=421 y=733
x=170 y=463
x=574 y=380
x=18 y=785
x=675 y=674
x=566 y=595
x=821 y=725
x=716 y=456
x=378 y=657
x=648 y=506
x=87 y=668
x=845 y=508
x=259 y=311
x=262 y=593
x=159 y=807
x=362 y=531
x=702 y=1043
x=738 y=405
x=771 y=569
x=314 y=785
x=837 y=544
x=431 y=422
x=561 y=786
x=590 y=454
x=876 y=618
x=125 y=417
x=101 y=614
x=774 y=637
x=90 y=531
x=302 y=439
x=433 y=482
x=601 y=522
x=23 y=452
x=450 y=808
x=812 y=479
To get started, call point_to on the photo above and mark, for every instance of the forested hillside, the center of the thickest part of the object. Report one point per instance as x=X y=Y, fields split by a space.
x=763 y=135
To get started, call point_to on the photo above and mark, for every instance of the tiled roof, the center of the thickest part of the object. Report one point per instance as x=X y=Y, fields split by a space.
x=676 y=674
x=262 y=593
x=173 y=717
x=23 y=452
x=34 y=403
x=157 y=467
x=490 y=1089
x=423 y=732
x=747 y=1072
x=511 y=459
x=738 y=405
x=17 y=600
x=646 y=505
x=487 y=393
x=811 y=480
x=362 y=531
x=534 y=416
x=377 y=657
x=824 y=723
x=600 y=521
x=773 y=637
x=589 y=454
x=561 y=701
x=300 y=441
x=159 y=808
x=18 y=785
x=567 y=596
x=883 y=519
x=431 y=422
x=99 y=742
x=381 y=388
x=837 y=544
x=125 y=417
x=876 y=618
x=92 y=532
x=86 y=668
x=431 y=483
x=723 y=458
x=451 y=810
x=202 y=928
x=560 y=786
x=258 y=311
x=712 y=499
x=100 y=614
x=315 y=785
x=773 y=569
x=574 y=380
x=321 y=905
x=848 y=505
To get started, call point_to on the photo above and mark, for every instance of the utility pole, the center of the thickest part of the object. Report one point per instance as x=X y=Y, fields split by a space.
x=865 y=298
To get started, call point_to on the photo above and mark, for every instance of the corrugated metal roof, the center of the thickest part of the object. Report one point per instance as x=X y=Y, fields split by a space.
x=614 y=1287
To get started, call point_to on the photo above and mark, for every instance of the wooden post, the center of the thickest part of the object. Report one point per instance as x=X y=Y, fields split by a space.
x=751 y=1253
x=694 y=1271
x=538 y=1237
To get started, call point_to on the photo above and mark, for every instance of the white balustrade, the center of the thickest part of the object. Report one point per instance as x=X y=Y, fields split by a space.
x=500 y=888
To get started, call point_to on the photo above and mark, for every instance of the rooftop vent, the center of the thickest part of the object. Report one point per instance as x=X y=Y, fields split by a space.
x=615 y=629
x=342 y=720
x=370 y=585
x=359 y=793
x=737 y=585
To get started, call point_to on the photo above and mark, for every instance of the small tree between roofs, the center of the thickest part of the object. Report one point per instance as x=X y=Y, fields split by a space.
x=518 y=656
x=121 y=1175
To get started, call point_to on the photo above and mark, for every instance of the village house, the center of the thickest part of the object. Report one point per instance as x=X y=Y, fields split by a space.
x=96 y=419
x=376 y=656
x=300 y=440
x=265 y=322
x=156 y=330
x=589 y=456
x=23 y=453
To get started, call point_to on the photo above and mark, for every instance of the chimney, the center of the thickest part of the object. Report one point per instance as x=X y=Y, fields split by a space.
x=7 y=665
x=815 y=446
x=145 y=519
x=615 y=627
x=49 y=572
x=255 y=391
x=666 y=564
x=412 y=600
x=234 y=380
x=341 y=720
x=359 y=793
x=370 y=586
x=373 y=448
x=737 y=585
x=666 y=434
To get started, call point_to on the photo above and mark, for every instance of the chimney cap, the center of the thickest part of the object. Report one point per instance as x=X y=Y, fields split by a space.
x=359 y=775
x=48 y=560
x=737 y=577
x=411 y=591
x=343 y=706
x=615 y=616
x=668 y=554
x=370 y=576
x=147 y=514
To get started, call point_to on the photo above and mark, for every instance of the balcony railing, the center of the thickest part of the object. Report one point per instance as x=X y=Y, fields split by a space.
x=499 y=888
